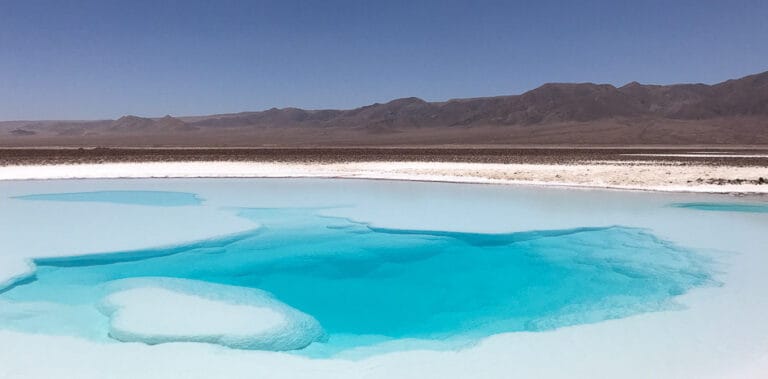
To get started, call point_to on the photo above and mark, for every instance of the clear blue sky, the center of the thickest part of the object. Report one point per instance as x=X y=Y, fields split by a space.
x=103 y=59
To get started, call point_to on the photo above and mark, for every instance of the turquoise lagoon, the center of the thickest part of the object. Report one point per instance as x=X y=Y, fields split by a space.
x=383 y=280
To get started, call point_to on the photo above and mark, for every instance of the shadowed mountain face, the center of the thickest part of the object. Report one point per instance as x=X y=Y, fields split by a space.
x=734 y=112
x=132 y=124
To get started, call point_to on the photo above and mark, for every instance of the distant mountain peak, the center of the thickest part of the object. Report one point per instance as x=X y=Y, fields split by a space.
x=560 y=111
x=133 y=124
x=632 y=84
x=128 y=118
x=407 y=100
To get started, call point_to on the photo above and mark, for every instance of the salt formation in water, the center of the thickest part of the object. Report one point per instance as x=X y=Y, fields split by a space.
x=160 y=310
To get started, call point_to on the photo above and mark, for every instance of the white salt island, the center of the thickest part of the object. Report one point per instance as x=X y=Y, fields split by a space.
x=162 y=310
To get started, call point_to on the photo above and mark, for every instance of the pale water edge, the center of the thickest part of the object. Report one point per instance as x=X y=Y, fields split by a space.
x=151 y=198
x=724 y=207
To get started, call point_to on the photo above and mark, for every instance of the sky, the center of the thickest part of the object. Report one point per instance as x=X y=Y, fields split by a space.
x=85 y=59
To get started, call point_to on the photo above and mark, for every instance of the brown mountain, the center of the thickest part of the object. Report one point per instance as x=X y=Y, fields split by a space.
x=134 y=124
x=734 y=112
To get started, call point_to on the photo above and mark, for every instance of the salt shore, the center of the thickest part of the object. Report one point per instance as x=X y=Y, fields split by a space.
x=628 y=175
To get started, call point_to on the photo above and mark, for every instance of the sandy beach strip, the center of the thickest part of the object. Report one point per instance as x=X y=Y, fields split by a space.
x=628 y=175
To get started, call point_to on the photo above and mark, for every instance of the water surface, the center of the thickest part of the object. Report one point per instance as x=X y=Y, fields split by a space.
x=367 y=285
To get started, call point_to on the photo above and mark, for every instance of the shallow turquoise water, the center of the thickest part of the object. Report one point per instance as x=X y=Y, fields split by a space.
x=724 y=207
x=367 y=285
x=151 y=198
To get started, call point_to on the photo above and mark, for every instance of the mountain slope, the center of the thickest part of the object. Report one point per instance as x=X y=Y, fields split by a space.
x=731 y=112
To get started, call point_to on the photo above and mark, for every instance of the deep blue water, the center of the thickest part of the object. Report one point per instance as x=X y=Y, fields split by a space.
x=151 y=198
x=724 y=207
x=366 y=284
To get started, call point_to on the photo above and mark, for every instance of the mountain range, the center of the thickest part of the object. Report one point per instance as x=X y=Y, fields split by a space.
x=734 y=112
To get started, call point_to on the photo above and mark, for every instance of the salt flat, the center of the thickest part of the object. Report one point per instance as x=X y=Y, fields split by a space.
x=598 y=174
